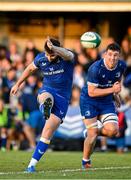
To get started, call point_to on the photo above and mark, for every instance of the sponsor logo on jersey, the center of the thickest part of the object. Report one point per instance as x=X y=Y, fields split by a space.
x=109 y=82
x=54 y=72
x=87 y=113
x=118 y=74
x=51 y=69
x=58 y=61
x=103 y=75
x=43 y=64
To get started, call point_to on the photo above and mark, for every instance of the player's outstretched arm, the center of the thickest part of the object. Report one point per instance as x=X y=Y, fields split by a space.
x=64 y=53
x=27 y=72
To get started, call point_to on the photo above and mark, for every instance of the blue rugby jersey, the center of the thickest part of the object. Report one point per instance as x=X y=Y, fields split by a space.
x=58 y=75
x=101 y=77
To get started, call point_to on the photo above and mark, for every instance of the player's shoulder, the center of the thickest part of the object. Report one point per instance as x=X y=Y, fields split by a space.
x=40 y=57
x=122 y=64
x=96 y=65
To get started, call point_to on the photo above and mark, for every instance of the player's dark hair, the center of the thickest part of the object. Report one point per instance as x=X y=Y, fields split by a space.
x=55 y=42
x=113 y=47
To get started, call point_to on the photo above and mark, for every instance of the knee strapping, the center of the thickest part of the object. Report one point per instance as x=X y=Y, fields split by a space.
x=92 y=126
x=111 y=117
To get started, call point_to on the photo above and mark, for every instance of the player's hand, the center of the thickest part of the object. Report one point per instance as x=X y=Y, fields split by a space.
x=14 y=90
x=49 y=43
x=117 y=87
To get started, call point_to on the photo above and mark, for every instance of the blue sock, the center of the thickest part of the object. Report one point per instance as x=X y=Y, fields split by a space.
x=86 y=161
x=40 y=150
x=41 y=108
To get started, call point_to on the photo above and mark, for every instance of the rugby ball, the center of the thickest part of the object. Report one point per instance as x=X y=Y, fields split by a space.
x=90 y=40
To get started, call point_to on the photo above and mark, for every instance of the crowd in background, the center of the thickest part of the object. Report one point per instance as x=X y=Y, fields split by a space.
x=20 y=119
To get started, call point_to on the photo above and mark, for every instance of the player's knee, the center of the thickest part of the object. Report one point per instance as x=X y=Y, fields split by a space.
x=42 y=97
x=47 y=133
x=110 y=124
x=113 y=132
x=45 y=99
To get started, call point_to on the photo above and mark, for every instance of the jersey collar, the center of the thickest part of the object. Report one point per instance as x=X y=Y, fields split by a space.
x=104 y=63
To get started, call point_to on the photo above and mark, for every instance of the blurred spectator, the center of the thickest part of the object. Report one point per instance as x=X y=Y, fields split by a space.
x=78 y=47
x=15 y=127
x=3 y=125
x=29 y=57
x=125 y=94
x=5 y=66
x=8 y=82
x=19 y=68
x=3 y=52
x=127 y=77
x=128 y=61
x=78 y=76
x=120 y=139
x=126 y=101
x=92 y=55
x=128 y=35
x=14 y=55
x=127 y=81
x=1 y=84
x=30 y=46
x=83 y=61
x=109 y=40
x=125 y=48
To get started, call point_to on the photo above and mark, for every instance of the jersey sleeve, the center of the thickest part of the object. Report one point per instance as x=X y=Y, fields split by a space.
x=92 y=76
x=124 y=66
x=37 y=61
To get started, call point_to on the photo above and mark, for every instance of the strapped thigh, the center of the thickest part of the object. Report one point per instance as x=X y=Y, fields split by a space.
x=111 y=117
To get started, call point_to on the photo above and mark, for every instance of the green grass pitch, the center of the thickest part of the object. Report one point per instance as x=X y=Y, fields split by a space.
x=65 y=165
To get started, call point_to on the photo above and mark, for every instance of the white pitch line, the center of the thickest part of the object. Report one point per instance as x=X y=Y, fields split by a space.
x=68 y=170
